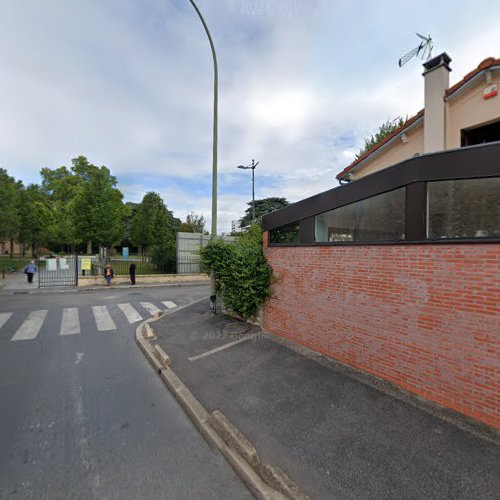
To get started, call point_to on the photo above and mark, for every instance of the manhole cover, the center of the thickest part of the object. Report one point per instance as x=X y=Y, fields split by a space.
x=236 y=329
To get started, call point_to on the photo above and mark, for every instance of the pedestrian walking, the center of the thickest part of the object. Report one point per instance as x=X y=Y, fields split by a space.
x=108 y=274
x=131 y=270
x=30 y=270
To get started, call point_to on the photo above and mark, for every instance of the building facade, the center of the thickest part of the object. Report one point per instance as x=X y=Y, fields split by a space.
x=397 y=272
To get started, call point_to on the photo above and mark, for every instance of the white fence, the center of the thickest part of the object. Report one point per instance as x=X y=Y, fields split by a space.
x=188 y=246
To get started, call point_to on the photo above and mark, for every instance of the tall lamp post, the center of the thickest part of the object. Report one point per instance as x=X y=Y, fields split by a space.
x=252 y=167
x=213 y=234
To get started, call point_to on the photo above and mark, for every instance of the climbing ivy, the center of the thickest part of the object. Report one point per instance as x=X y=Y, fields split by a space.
x=242 y=273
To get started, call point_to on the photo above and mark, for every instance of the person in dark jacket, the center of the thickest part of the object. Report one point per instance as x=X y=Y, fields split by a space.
x=108 y=274
x=131 y=270
x=30 y=270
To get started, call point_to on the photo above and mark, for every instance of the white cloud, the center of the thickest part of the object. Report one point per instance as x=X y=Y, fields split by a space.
x=129 y=85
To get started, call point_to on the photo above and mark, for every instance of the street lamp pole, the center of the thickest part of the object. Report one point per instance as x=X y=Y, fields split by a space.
x=213 y=234
x=252 y=167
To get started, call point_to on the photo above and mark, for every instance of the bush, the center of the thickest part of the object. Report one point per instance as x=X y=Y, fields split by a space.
x=163 y=256
x=242 y=273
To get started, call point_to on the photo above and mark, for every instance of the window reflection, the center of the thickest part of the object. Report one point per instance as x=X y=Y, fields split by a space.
x=468 y=208
x=285 y=234
x=380 y=218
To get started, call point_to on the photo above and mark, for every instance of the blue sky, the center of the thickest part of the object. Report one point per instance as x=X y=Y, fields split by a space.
x=128 y=84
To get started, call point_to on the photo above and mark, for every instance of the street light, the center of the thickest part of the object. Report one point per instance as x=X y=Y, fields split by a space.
x=213 y=234
x=252 y=167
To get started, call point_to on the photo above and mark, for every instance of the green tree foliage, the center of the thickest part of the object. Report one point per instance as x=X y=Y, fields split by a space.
x=262 y=207
x=387 y=128
x=194 y=223
x=243 y=275
x=9 y=206
x=38 y=226
x=97 y=207
x=61 y=186
x=153 y=229
x=130 y=210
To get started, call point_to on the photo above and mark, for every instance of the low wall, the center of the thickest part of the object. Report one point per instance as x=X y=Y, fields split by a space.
x=142 y=279
x=425 y=317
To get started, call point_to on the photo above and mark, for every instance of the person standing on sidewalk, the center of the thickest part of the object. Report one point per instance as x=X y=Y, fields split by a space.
x=108 y=274
x=30 y=270
x=131 y=270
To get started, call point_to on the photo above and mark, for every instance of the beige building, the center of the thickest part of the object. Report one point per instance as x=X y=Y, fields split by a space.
x=6 y=249
x=465 y=114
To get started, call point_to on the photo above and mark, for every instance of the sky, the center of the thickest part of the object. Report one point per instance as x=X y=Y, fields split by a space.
x=129 y=85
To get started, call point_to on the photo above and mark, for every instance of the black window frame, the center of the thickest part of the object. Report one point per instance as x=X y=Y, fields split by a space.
x=473 y=162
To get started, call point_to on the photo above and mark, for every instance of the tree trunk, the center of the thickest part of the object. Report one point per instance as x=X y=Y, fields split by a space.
x=12 y=247
x=89 y=247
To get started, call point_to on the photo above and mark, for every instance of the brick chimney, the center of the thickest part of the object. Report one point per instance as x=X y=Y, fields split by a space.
x=436 y=82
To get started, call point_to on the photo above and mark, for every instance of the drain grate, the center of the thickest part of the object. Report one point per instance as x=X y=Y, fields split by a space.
x=236 y=329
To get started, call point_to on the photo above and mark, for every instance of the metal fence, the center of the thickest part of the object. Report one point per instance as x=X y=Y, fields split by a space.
x=188 y=247
x=58 y=271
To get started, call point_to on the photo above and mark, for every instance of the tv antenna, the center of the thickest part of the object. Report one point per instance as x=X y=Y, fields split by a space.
x=423 y=50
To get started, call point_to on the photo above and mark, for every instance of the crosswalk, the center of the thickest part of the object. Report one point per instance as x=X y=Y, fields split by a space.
x=105 y=318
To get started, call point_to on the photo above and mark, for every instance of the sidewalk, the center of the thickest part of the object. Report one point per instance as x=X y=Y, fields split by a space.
x=335 y=436
x=17 y=282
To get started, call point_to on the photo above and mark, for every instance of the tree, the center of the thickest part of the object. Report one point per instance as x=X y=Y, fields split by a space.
x=151 y=221
x=62 y=186
x=9 y=207
x=130 y=211
x=37 y=221
x=97 y=207
x=153 y=229
x=194 y=223
x=387 y=128
x=262 y=207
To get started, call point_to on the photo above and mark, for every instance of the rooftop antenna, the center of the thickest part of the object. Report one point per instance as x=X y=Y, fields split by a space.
x=423 y=50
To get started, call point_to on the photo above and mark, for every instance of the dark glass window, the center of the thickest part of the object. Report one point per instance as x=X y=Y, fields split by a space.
x=468 y=208
x=285 y=234
x=379 y=218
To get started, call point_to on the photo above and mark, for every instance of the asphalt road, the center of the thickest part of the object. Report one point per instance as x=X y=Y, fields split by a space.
x=84 y=416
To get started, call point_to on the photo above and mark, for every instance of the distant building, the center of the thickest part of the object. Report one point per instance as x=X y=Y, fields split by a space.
x=235 y=226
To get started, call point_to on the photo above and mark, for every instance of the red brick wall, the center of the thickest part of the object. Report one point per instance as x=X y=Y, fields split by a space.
x=425 y=317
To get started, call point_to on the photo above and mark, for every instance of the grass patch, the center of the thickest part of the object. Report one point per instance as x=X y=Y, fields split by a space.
x=121 y=267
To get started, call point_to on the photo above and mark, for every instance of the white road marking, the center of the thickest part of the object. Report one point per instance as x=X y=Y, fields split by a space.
x=132 y=315
x=31 y=326
x=4 y=318
x=170 y=305
x=151 y=308
x=221 y=348
x=70 y=323
x=78 y=358
x=102 y=318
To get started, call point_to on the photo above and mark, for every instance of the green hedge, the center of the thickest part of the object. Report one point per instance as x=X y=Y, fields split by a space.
x=243 y=275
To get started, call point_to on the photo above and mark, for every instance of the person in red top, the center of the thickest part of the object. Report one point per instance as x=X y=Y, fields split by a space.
x=108 y=274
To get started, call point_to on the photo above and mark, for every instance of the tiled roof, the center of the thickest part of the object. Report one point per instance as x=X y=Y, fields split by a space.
x=487 y=63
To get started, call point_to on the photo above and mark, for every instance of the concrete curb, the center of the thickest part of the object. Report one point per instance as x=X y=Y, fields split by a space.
x=75 y=289
x=264 y=481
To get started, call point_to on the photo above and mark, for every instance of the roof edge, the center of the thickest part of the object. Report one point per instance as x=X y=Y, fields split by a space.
x=484 y=65
x=411 y=121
